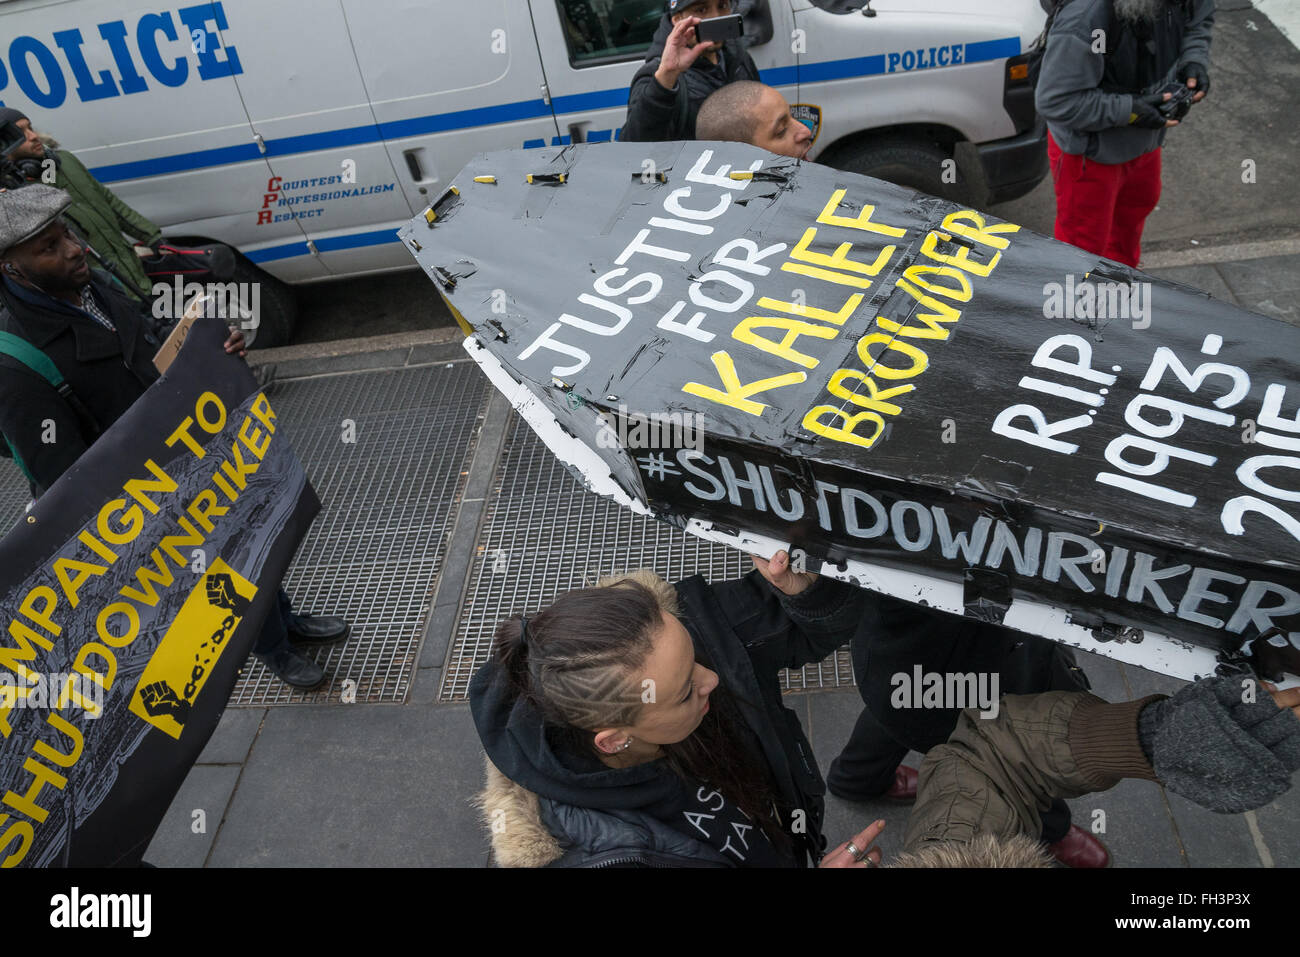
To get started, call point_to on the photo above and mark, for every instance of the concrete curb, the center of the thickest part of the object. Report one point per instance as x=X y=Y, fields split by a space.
x=1233 y=252
x=350 y=347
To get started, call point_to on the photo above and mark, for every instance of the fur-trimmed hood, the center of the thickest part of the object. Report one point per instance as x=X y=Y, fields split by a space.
x=984 y=850
x=512 y=816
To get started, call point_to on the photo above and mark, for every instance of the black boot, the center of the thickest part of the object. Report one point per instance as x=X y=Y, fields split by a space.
x=313 y=630
x=294 y=669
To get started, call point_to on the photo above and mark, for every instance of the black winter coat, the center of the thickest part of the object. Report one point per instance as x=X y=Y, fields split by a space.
x=747 y=632
x=655 y=114
x=107 y=371
x=904 y=636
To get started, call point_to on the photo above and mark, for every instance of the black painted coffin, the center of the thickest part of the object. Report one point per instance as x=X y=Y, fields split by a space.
x=931 y=401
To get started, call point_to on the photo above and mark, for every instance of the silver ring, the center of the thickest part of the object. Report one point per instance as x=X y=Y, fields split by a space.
x=854 y=853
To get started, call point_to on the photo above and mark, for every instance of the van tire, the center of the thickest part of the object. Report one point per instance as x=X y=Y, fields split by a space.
x=279 y=306
x=904 y=162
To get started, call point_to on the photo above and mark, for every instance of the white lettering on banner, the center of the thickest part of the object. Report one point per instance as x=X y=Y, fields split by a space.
x=1213 y=598
x=723 y=289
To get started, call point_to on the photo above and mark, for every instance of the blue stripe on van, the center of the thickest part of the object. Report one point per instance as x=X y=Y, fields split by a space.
x=179 y=163
x=596 y=100
x=287 y=251
x=330 y=244
x=992 y=49
x=465 y=119
x=502 y=113
x=378 y=237
x=780 y=75
x=840 y=69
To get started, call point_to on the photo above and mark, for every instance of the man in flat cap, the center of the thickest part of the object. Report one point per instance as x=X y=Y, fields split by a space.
x=103 y=344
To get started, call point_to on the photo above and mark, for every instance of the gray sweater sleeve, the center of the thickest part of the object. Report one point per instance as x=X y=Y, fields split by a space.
x=1196 y=38
x=1220 y=747
x=1067 y=86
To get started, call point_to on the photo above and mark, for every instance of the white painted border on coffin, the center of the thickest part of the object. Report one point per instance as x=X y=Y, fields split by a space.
x=1156 y=652
x=569 y=450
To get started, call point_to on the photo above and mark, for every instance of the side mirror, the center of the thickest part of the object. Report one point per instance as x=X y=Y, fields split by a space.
x=758 y=22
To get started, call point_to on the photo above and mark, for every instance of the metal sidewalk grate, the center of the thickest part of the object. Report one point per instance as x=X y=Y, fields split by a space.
x=375 y=550
x=543 y=534
x=374 y=553
x=14 y=495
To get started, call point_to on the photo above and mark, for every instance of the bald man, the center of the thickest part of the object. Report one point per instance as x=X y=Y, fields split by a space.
x=754 y=113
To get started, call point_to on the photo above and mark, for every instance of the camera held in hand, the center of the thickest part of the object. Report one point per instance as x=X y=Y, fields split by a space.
x=1178 y=104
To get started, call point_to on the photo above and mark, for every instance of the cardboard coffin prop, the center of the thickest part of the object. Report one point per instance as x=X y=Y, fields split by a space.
x=914 y=396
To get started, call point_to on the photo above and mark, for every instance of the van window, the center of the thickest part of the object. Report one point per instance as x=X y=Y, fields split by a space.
x=607 y=31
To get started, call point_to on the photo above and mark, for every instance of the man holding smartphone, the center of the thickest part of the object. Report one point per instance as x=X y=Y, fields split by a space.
x=682 y=69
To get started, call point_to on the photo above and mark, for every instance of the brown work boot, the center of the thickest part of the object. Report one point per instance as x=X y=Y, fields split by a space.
x=903 y=790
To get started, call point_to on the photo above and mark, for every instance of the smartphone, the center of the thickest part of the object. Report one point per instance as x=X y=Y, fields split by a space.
x=719 y=29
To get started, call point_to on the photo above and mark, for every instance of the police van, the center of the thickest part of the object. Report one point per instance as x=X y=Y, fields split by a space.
x=304 y=132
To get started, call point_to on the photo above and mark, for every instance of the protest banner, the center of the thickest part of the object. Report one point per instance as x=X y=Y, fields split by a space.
x=916 y=396
x=130 y=596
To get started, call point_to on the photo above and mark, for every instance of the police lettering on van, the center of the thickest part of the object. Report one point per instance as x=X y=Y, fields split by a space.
x=40 y=75
x=925 y=58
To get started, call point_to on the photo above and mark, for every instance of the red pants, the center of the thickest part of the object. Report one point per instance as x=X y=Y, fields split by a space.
x=1102 y=207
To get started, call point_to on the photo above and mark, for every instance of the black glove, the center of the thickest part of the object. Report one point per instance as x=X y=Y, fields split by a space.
x=1197 y=72
x=1206 y=744
x=1145 y=113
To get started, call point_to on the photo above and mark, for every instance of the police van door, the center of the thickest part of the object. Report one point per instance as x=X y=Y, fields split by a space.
x=330 y=173
x=913 y=62
x=448 y=81
x=145 y=96
x=592 y=48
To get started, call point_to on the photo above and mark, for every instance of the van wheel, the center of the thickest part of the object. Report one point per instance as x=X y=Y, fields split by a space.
x=278 y=307
x=909 y=163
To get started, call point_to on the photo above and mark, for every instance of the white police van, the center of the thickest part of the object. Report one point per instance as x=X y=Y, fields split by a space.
x=305 y=132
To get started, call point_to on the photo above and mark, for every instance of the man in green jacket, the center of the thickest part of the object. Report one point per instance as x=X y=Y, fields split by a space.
x=98 y=215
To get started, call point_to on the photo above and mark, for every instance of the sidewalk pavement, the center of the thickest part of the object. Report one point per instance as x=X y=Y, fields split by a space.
x=382 y=784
